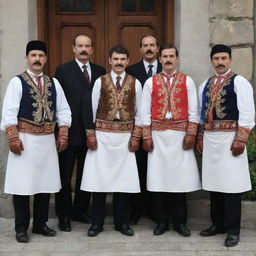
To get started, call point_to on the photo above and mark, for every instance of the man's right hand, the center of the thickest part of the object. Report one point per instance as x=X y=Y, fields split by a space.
x=148 y=145
x=16 y=146
x=91 y=142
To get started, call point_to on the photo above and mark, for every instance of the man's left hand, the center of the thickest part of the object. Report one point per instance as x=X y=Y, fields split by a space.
x=133 y=145
x=237 y=147
x=62 y=143
x=189 y=141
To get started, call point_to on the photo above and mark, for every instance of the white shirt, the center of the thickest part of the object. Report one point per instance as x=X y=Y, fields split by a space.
x=146 y=101
x=88 y=67
x=96 y=95
x=154 y=68
x=245 y=103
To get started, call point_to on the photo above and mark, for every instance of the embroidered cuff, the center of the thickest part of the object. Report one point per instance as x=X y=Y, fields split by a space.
x=90 y=132
x=146 y=132
x=136 y=132
x=242 y=134
x=192 y=128
x=12 y=132
x=63 y=131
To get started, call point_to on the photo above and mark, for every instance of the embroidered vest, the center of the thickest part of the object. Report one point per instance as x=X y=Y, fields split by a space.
x=37 y=108
x=172 y=99
x=225 y=107
x=111 y=101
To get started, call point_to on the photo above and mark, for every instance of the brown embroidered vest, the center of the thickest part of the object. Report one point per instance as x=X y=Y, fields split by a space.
x=112 y=101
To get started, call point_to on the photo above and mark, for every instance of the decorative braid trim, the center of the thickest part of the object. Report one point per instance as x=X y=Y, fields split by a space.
x=242 y=134
x=218 y=125
x=137 y=132
x=12 y=132
x=63 y=131
x=43 y=129
x=146 y=132
x=114 y=126
x=169 y=125
x=90 y=132
x=192 y=128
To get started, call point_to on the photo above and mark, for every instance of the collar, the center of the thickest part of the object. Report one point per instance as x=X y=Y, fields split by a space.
x=114 y=75
x=223 y=74
x=32 y=74
x=153 y=63
x=80 y=64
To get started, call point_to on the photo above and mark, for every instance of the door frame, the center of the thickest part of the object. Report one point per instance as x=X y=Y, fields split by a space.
x=42 y=19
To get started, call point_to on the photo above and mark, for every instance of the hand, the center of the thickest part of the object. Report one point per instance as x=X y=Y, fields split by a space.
x=16 y=146
x=189 y=141
x=199 y=145
x=148 y=145
x=133 y=145
x=91 y=142
x=237 y=147
x=62 y=143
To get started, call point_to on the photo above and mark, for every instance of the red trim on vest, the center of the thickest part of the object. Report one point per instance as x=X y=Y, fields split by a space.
x=172 y=99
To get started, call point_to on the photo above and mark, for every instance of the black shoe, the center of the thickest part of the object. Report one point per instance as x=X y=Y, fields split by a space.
x=124 y=229
x=94 y=230
x=44 y=230
x=64 y=224
x=84 y=218
x=231 y=240
x=22 y=237
x=182 y=229
x=212 y=231
x=160 y=229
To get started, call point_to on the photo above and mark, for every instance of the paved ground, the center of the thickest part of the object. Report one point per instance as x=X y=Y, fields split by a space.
x=112 y=243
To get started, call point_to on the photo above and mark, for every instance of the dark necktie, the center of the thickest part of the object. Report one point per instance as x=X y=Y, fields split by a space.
x=39 y=84
x=118 y=85
x=150 y=70
x=86 y=75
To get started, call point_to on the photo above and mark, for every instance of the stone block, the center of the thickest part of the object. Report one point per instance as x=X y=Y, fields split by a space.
x=231 y=32
x=242 y=63
x=231 y=8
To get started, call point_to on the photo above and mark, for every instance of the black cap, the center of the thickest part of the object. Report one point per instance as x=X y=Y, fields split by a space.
x=220 y=48
x=36 y=45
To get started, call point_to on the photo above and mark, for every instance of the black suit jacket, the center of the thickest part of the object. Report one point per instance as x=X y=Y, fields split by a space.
x=138 y=70
x=78 y=94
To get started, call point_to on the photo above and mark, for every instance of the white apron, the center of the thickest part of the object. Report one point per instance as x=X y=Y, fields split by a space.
x=36 y=170
x=221 y=171
x=111 y=168
x=170 y=168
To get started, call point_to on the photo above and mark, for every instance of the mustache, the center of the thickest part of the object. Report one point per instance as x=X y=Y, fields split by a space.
x=83 y=53
x=220 y=66
x=119 y=65
x=37 y=63
x=168 y=62
x=148 y=51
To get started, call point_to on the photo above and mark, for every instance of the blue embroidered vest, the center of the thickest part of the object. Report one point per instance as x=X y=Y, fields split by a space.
x=37 y=108
x=225 y=107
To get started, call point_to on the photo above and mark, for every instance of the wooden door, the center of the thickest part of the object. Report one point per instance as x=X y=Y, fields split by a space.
x=108 y=22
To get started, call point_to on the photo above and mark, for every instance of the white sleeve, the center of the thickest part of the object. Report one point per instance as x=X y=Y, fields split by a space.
x=11 y=103
x=138 y=91
x=192 y=101
x=200 y=94
x=63 y=112
x=96 y=97
x=146 y=103
x=245 y=103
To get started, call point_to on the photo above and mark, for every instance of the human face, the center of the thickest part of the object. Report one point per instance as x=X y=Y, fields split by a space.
x=221 y=62
x=83 y=48
x=149 y=49
x=36 y=60
x=168 y=59
x=118 y=62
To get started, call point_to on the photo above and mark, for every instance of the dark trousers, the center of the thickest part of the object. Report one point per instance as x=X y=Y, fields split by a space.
x=120 y=207
x=63 y=200
x=226 y=211
x=173 y=204
x=22 y=211
x=141 y=203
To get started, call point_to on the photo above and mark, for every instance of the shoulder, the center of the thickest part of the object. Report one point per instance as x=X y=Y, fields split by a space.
x=66 y=65
x=134 y=66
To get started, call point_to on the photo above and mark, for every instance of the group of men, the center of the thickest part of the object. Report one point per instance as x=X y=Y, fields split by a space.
x=112 y=118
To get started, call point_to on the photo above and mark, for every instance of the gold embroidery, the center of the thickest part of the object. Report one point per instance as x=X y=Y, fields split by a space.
x=169 y=125
x=109 y=126
x=146 y=132
x=192 y=128
x=217 y=125
x=242 y=134
x=43 y=129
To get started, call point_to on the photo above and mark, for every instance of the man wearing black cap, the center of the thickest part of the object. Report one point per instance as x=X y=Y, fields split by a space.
x=76 y=78
x=227 y=116
x=33 y=104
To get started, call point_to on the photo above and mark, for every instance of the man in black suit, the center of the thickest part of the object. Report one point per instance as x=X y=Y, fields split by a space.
x=76 y=78
x=148 y=66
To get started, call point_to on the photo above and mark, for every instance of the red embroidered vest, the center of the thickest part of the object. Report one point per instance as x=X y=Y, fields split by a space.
x=173 y=99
